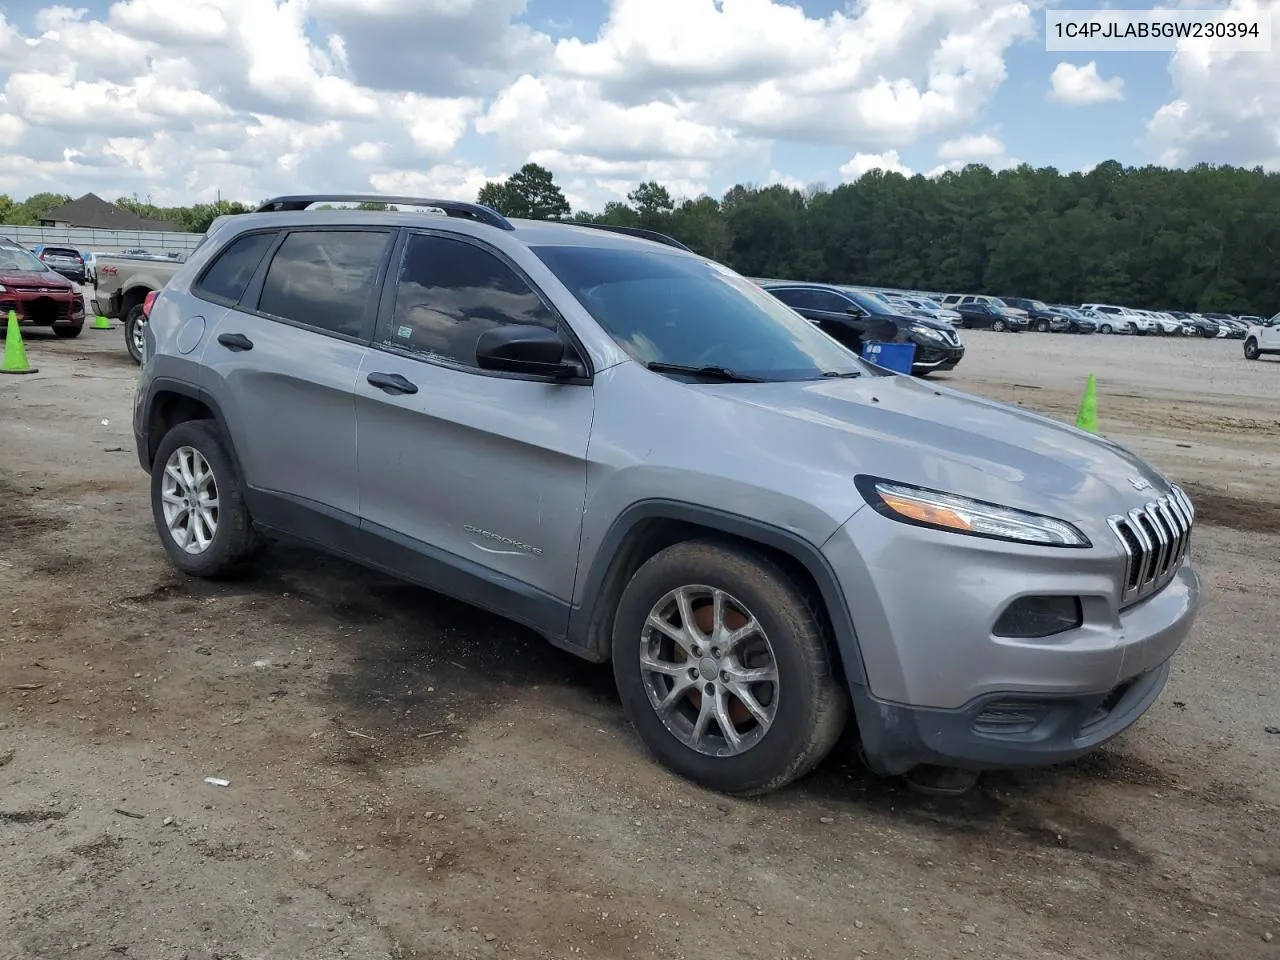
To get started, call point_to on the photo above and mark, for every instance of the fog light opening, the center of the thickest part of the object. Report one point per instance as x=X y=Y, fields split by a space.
x=1029 y=618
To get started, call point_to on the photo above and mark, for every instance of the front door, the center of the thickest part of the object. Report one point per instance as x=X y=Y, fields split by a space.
x=1269 y=335
x=477 y=469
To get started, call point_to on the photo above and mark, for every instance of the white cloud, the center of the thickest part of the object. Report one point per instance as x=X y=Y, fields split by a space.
x=972 y=148
x=861 y=163
x=1082 y=86
x=1226 y=106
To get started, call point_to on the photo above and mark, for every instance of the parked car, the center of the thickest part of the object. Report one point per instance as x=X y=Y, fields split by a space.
x=931 y=309
x=854 y=317
x=66 y=261
x=120 y=286
x=980 y=314
x=1234 y=329
x=1262 y=338
x=732 y=508
x=1113 y=319
x=1040 y=317
x=1077 y=322
x=1203 y=325
x=954 y=301
x=38 y=295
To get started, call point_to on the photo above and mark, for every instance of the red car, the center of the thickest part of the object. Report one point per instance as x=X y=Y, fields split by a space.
x=41 y=297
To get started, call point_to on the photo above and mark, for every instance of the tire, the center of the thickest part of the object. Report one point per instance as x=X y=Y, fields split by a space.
x=235 y=541
x=1042 y=326
x=67 y=333
x=998 y=326
x=134 y=324
x=1105 y=328
x=1251 y=351
x=810 y=704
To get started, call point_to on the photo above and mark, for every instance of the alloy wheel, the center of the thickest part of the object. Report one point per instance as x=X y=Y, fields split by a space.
x=709 y=671
x=189 y=498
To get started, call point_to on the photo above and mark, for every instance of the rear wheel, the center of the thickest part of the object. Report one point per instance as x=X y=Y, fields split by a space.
x=1251 y=351
x=1042 y=326
x=1105 y=328
x=722 y=665
x=135 y=328
x=68 y=332
x=198 y=504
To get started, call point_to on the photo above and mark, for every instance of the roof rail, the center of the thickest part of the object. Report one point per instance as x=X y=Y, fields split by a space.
x=453 y=208
x=631 y=232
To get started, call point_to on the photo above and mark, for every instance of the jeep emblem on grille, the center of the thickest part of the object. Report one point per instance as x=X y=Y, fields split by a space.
x=1140 y=483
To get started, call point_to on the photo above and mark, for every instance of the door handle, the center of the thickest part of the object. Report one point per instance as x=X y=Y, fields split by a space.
x=392 y=383
x=235 y=341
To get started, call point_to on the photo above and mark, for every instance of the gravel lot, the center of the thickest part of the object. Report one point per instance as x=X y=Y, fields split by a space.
x=411 y=778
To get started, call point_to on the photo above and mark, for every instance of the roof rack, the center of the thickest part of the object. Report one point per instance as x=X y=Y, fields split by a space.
x=453 y=208
x=631 y=232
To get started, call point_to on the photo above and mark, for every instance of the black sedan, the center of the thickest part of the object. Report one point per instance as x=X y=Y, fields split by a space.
x=1044 y=319
x=854 y=317
x=985 y=316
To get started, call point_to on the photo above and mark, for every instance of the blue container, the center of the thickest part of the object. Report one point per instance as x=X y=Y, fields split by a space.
x=892 y=356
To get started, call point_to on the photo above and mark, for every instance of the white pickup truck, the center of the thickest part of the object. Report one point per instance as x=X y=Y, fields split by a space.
x=121 y=283
x=1262 y=338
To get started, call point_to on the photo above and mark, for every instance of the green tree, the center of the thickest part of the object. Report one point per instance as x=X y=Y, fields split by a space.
x=531 y=192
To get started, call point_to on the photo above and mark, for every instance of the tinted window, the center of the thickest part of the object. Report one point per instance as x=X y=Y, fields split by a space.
x=235 y=266
x=675 y=308
x=830 y=302
x=796 y=299
x=324 y=278
x=450 y=292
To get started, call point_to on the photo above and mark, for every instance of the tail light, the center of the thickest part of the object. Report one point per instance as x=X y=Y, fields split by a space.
x=146 y=304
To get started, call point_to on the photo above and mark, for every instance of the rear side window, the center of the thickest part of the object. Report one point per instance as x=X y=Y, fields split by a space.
x=450 y=292
x=231 y=272
x=324 y=279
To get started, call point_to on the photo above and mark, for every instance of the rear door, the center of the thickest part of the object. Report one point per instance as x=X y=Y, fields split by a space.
x=282 y=357
x=477 y=471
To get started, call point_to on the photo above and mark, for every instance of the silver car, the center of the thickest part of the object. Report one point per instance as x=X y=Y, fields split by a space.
x=648 y=460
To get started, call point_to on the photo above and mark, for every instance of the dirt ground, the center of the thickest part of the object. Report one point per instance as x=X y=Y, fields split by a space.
x=411 y=778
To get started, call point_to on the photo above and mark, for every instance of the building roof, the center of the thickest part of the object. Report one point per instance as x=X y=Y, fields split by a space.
x=94 y=212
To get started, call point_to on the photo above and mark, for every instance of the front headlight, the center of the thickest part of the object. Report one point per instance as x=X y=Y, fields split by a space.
x=955 y=514
x=929 y=332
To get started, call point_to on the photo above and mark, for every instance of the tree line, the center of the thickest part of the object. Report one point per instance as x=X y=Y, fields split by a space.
x=1207 y=238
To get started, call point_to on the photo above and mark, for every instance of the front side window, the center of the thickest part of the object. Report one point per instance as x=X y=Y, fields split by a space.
x=449 y=292
x=235 y=266
x=669 y=308
x=324 y=278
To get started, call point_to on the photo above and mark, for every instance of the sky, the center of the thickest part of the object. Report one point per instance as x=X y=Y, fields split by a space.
x=185 y=101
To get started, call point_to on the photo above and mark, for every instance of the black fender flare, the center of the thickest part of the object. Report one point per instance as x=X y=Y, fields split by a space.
x=192 y=392
x=584 y=620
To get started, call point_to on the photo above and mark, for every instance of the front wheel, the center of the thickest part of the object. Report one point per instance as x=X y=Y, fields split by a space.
x=198 y=504
x=1042 y=326
x=1105 y=328
x=135 y=330
x=1251 y=351
x=722 y=665
x=998 y=326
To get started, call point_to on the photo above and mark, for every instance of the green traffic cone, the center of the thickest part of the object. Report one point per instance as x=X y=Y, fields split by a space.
x=15 y=354
x=102 y=323
x=1087 y=418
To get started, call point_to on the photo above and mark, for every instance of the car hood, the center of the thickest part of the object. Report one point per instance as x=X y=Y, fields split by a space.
x=26 y=278
x=901 y=429
x=907 y=320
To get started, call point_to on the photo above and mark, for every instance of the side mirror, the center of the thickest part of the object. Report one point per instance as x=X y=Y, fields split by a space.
x=855 y=311
x=525 y=348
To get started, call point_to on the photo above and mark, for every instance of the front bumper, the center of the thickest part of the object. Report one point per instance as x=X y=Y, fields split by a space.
x=932 y=356
x=940 y=686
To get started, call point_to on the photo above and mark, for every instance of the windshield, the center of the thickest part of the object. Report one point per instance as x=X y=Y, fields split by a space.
x=665 y=308
x=14 y=259
x=869 y=302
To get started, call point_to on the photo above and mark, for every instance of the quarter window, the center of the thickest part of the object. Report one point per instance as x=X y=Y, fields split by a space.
x=324 y=278
x=231 y=272
x=449 y=292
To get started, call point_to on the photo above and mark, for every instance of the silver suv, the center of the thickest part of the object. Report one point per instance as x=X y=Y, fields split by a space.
x=649 y=460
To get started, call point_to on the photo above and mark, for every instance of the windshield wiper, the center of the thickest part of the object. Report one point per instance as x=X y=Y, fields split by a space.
x=837 y=375
x=712 y=373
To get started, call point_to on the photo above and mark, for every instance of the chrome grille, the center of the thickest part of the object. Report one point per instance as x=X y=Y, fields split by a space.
x=1155 y=537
